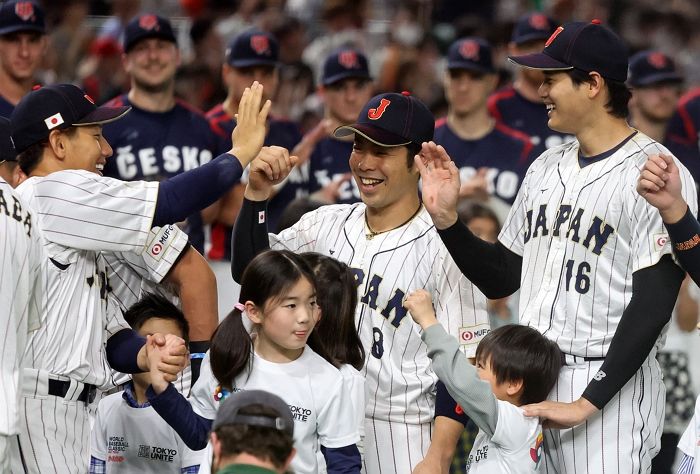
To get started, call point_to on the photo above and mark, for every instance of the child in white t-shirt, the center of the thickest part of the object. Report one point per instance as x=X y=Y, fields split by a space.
x=128 y=435
x=515 y=366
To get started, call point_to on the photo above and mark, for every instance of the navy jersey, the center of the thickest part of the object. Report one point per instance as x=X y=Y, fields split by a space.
x=280 y=133
x=154 y=146
x=683 y=134
x=330 y=162
x=6 y=107
x=509 y=107
x=504 y=151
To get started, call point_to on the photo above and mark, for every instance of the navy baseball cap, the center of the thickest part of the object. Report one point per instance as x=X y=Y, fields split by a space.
x=58 y=106
x=584 y=46
x=253 y=48
x=532 y=27
x=344 y=63
x=229 y=412
x=392 y=120
x=21 y=16
x=7 y=148
x=473 y=54
x=147 y=25
x=652 y=67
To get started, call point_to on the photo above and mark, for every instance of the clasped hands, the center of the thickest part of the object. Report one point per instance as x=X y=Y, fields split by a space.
x=164 y=356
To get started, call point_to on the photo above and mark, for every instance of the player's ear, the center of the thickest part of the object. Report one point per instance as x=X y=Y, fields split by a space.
x=57 y=142
x=596 y=84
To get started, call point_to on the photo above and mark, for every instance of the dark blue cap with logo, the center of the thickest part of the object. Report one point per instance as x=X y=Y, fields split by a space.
x=344 y=63
x=392 y=120
x=253 y=48
x=7 y=148
x=473 y=54
x=57 y=106
x=584 y=46
x=532 y=27
x=21 y=16
x=652 y=67
x=147 y=25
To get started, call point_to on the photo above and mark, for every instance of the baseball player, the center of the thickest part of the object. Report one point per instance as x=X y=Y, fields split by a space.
x=519 y=105
x=392 y=248
x=346 y=86
x=591 y=258
x=252 y=55
x=23 y=45
x=20 y=296
x=162 y=136
x=57 y=132
x=488 y=153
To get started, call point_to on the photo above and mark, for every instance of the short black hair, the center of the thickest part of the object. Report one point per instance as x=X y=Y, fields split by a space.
x=154 y=305
x=619 y=94
x=468 y=210
x=29 y=159
x=518 y=352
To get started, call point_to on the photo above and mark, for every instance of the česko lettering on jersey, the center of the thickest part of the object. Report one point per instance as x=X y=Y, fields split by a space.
x=583 y=231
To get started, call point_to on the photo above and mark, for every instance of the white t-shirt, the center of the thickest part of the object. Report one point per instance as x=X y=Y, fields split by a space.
x=314 y=391
x=132 y=440
x=690 y=441
x=515 y=447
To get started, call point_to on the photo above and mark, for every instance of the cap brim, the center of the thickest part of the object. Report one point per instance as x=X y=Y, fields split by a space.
x=17 y=28
x=327 y=81
x=253 y=62
x=664 y=77
x=102 y=115
x=470 y=67
x=376 y=135
x=539 y=61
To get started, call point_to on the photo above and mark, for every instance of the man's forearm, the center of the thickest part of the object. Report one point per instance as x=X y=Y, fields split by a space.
x=249 y=236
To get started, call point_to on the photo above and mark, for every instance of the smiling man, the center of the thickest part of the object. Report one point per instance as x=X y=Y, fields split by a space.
x=392 y=248
x=22 y=47
x=591 y=258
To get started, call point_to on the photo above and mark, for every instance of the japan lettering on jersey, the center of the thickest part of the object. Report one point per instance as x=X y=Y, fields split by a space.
x=510 y=107
x=153 y=146
x=400 y=381
x=330 y=162
x=21 y=290
x=504 y=151
x=584 y=230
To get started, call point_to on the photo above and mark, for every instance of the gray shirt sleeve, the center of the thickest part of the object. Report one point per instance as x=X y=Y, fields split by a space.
x=459 y=376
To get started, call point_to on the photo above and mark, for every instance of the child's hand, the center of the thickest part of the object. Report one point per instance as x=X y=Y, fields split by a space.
x=167 y=357
x=420 y=304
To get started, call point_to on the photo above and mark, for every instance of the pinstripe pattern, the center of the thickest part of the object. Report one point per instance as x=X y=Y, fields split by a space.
x=394 y=447
x=20 y=297
x=399 y=379
x=584 y=232
x=689 y=444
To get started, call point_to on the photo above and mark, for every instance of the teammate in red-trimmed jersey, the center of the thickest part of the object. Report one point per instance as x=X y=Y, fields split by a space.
x=519 y=105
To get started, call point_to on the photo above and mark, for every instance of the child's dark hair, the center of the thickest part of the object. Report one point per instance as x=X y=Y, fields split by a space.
x=336 y=294
x=154 y=305
x=518 y=352
x=268 y=276
x=468 y=210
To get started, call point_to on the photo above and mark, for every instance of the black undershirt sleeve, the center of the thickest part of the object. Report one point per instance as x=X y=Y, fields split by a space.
x=685 y=236
x=654 y=293
x=493 y=268
x=249 y=236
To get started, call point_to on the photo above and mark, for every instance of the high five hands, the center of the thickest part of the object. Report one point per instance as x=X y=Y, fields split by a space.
x=441 y=184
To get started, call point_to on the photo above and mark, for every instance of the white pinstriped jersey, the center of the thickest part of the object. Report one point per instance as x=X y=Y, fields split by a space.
x=400 y=380
x=582 y=233
x=20 y=297
x=80 y=214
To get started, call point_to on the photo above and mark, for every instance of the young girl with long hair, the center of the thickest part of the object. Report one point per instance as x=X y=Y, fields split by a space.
x=278 y=295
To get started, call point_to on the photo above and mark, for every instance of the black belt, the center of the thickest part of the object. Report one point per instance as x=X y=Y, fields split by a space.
x=585 y=359
x=59 y=388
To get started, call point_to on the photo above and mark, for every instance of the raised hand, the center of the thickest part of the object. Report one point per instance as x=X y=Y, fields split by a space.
x=251 y=124
x=441 y=184
x=420 y=305
x=660 y=184
x=272 y=166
